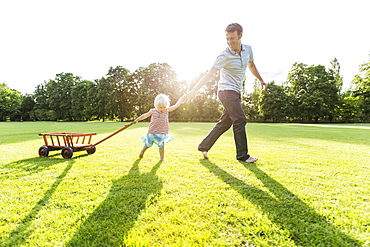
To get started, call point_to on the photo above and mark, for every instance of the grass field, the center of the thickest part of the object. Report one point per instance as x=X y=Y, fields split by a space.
x=310 y=187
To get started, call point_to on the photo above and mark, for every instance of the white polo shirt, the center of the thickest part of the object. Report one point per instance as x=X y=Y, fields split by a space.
x=233 y=66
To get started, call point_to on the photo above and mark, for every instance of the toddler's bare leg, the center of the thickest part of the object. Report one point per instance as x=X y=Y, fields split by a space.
x=161 y=153
x=141 y=155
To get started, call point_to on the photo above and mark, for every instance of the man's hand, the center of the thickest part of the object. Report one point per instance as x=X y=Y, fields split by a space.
x=263 y=85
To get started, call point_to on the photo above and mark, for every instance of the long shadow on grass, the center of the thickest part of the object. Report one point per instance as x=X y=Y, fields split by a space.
x=306 y=227
x=29 y=166
x=109 y=224
x=19 y=235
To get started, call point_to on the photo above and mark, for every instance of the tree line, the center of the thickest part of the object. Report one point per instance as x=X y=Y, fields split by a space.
x=310 y=94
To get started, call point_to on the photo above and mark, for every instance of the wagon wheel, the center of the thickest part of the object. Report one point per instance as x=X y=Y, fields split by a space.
x=43 y=151
x=91 y=150
x=67 y=152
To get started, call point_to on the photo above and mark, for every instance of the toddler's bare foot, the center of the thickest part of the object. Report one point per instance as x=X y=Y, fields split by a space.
x=141 y=155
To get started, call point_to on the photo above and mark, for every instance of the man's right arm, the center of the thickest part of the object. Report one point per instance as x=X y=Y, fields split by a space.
x=206 y=78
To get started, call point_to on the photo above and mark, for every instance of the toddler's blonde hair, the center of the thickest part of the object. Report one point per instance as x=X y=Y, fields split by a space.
x=161 y=99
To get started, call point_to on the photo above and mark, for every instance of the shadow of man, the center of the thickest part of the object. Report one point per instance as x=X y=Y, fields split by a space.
x=306 y=227
x=110 y=223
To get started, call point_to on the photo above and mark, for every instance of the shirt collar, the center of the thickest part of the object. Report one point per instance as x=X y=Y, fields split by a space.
x=234 y=52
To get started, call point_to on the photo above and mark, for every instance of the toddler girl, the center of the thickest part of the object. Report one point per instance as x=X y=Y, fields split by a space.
x=159 y=126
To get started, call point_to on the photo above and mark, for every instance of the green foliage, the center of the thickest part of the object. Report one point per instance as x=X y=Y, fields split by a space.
x=310 y=187
x=104 y=98
x=273 y=103
x=79 y=96
x=27 y=106
x=124 y=100
x=155 y=79
x=41 y=103
x=314 y=90
x=10 y=101
x=362 y=91
x=60 y=95
x=310 y=94
x=250 y=102
x=335 y=71
x=349 y=108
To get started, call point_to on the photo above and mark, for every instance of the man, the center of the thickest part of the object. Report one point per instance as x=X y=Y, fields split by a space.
x=233 y=63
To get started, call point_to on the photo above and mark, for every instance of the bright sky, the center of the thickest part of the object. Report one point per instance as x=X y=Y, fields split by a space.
x=42 y=38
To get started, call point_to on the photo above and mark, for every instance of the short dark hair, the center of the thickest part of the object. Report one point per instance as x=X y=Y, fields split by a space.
x=234 y=27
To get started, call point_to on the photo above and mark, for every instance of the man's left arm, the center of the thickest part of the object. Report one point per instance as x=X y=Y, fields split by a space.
x=252 y=67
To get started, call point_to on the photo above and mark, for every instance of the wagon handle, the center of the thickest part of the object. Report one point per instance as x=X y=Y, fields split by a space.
x=124 y=127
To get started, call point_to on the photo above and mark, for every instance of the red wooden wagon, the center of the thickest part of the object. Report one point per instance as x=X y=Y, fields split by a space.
x=70 y=142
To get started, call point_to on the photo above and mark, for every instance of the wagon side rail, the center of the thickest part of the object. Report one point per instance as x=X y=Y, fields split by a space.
x=67 y=139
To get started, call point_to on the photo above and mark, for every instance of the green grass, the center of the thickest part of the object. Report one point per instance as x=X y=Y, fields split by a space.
x=310 y=187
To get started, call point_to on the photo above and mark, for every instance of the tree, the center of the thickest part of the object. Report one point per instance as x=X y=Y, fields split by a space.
x=314 y=92
x=26 y=107
x=273 y=103
x=250 y=102
x=125 y=92
x=80 y=100
x=362 y=90
x=349 y=107
x=152 y=80
x=60 y=93
x=91 y=110
x=10 y=101
x=104 y=94
x=335 y=71
x=41 y=110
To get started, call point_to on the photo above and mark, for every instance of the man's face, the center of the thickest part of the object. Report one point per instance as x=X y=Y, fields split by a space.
x=233 y=40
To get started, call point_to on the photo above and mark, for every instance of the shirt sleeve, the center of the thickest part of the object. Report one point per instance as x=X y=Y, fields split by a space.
x=251 y=59
x=220 y=61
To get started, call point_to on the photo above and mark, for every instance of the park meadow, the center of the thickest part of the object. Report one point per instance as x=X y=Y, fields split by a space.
x=310 y=187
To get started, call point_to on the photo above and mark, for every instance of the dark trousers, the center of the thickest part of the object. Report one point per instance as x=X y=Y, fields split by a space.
x=232 y=115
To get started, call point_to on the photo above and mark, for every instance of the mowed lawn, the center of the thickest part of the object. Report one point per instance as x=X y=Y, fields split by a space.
x=310 y=187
